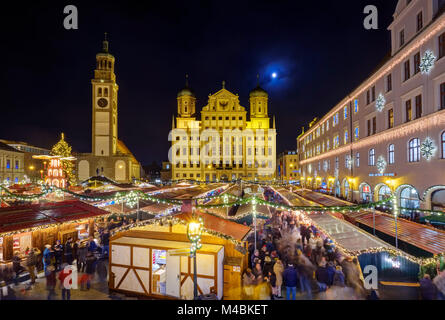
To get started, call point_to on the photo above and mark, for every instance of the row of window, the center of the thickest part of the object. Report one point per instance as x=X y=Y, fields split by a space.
x=226 y=164
x=419 y=26
x=413 y=155
x=8 y=164
x=410 y=113
x=220 y=118
x=371 y=93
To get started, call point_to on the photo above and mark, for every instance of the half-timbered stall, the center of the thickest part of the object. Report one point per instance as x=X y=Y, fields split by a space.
x=35 y=225
x=154 y=260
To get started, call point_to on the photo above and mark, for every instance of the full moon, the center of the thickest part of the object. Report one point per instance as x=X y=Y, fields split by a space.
x=274 y=75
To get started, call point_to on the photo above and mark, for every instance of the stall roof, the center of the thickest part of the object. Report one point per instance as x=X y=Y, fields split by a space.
x=24 y=217
x=424 y=237
x=163 y=244
x=227 y=227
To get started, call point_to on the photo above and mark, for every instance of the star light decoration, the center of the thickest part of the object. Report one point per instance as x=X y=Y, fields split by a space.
x=428 y=148
x=427 y=62
x=381 y=164
x=380 y=103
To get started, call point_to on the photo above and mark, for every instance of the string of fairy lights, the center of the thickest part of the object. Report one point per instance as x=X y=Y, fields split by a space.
x=132 y=197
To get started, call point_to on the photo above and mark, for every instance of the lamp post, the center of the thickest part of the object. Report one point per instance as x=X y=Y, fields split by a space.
x=395 y=208
x=194 y=232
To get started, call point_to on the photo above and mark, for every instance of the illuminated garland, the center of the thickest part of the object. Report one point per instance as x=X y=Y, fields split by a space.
x=171 y=220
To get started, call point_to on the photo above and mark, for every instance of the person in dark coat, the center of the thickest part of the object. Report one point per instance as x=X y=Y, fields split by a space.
x=81 y=257
x=17 y=267
x=331 y=272
x=92 y=246
x=58 y=253
x=321 y=274
x=268 y=265
x=290 y=277
x=339 y=277
x=90 y=268
x=428 y=290
x=51 y=281
x=68 y=251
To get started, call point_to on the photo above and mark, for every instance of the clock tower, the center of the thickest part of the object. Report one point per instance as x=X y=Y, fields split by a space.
x=104 y=104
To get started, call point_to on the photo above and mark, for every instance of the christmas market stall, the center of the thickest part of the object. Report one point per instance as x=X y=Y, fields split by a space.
x=153 y=258
x=35 y=225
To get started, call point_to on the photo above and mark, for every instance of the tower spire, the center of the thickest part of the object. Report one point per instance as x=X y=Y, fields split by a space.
x=274 y=122
x=224 y=84
x=105 y=43
x=258 y=80
x=186 y=80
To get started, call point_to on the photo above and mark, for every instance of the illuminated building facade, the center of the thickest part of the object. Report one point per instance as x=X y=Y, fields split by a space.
x=11 y=164
x=224 y=145
x=287 y=167
x=389 y=133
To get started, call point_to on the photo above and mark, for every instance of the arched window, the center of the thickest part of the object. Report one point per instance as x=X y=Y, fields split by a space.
x=357 y=160
x=384 y=192
x=105 y=92
x=443 y=145
x=99 y=92
x=391 y=154
x=55 y=173
x=365 y=193
x=371 y=158
x=409 y=198
x=414 y=150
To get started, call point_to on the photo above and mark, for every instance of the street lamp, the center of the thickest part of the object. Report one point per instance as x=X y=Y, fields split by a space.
x=194 y=232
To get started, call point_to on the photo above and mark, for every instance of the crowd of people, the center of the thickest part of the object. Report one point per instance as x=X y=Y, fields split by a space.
x=292 y=254
x=58 y=261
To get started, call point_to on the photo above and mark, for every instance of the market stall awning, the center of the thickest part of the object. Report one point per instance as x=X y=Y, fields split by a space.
x=434 y=219
x=30 y=216
x=227 y=227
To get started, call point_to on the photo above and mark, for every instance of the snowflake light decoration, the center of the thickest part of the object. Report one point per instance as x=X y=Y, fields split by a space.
x=427 y=62
x=380 y=103
x=381 y=164
x=428 y=148
x=132 y=199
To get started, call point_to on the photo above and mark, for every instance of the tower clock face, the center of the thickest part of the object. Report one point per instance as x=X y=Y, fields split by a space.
x=102 y=102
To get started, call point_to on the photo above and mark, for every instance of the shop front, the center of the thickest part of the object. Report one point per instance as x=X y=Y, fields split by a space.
x=34 y=226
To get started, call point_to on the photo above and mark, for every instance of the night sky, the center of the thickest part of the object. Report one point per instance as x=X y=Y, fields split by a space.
x=319 y=50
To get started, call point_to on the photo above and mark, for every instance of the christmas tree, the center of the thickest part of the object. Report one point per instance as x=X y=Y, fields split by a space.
x=63 y=149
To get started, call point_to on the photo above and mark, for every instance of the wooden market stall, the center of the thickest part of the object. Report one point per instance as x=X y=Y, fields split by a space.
x=154 y=260
x=34 y=226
